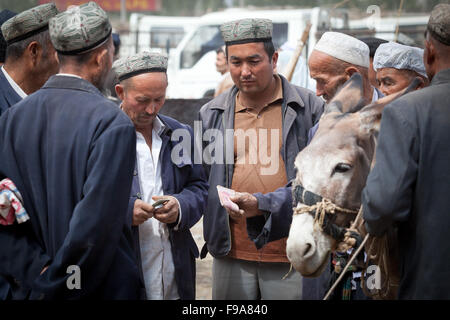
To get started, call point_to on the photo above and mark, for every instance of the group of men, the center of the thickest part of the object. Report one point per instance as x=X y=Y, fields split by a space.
x=110 y=196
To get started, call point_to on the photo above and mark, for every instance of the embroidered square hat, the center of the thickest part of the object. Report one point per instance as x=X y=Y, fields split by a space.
x=247 y=30
x=79 y=29
x=144 y=62
x=28 y=23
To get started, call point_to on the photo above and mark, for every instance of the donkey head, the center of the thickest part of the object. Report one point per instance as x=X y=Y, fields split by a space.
x=334 y=166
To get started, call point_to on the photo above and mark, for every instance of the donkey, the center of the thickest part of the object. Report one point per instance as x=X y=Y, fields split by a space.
x=334 y=166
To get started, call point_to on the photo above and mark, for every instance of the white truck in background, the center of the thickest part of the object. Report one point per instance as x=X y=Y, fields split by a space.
x=157 y=33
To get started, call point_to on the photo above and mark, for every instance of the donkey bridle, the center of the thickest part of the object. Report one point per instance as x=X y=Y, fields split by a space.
x=308 y=198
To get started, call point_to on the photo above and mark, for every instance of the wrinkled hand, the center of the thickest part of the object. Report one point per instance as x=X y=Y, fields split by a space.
x=142 y=211
x=248 y=206
x=169 y=212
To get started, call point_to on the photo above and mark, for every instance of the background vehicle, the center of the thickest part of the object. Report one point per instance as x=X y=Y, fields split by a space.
x=161 y=33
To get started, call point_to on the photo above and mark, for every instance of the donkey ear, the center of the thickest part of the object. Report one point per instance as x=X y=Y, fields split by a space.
x=349 y=97
x=371 y=114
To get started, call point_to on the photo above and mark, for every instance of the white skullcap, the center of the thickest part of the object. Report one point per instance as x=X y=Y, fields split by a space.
x=345 y=48
x=399 y=56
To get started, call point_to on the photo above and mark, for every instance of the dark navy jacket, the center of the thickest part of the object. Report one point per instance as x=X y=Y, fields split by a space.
x=187 y=182
x=71 y=154
x=409 y=187
x=8 y=97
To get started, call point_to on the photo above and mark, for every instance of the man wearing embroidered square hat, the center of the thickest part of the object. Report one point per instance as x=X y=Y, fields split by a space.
x=30 y=56
x=166 y=250
x=397 y=65
x=71 y=154
x=249 y=260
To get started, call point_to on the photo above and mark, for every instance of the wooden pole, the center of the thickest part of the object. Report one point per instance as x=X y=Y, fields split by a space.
x=398 y=22
x=289 y=71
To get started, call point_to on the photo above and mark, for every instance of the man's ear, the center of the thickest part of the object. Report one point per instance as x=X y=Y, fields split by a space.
x=56 y=57
x=99 y=58
x=349 y=71
x=275 y=60
x=34 y=50
x=422 y=83
x=430 y=56
x=120 y=91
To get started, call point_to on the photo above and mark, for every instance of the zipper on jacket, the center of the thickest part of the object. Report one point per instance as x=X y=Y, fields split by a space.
x=227 y=184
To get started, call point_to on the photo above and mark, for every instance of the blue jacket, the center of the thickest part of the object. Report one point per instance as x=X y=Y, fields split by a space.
x=8 y=97
x=71 y=154
x=187 y=182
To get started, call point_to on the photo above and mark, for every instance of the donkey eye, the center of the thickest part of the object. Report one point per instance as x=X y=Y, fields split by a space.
x=342 y=167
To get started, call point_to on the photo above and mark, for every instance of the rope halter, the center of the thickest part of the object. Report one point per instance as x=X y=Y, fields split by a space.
x=320 y=207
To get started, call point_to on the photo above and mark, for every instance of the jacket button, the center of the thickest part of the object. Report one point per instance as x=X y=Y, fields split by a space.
x=139 y=196
x=134 y=173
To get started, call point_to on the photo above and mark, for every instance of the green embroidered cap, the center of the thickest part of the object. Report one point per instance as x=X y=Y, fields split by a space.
x=246 y=30
x=80 y=29
x=28 y=23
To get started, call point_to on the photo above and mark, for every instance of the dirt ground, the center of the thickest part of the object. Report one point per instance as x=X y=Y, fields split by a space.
x=204 y=266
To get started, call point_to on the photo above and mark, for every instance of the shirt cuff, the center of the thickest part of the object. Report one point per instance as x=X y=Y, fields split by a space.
x=179 y=216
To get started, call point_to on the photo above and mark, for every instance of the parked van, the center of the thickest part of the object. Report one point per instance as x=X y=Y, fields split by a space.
x=192 y=72
x=159 y=33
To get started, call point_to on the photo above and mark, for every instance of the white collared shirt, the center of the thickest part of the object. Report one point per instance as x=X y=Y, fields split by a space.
x=69 y=75
x=156 y=255
x=14 y=85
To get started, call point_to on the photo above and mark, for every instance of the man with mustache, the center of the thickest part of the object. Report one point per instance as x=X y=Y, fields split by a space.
x=278 y=115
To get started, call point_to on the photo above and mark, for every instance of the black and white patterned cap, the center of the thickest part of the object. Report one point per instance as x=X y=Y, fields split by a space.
x=80 y=29
x=144 y=62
